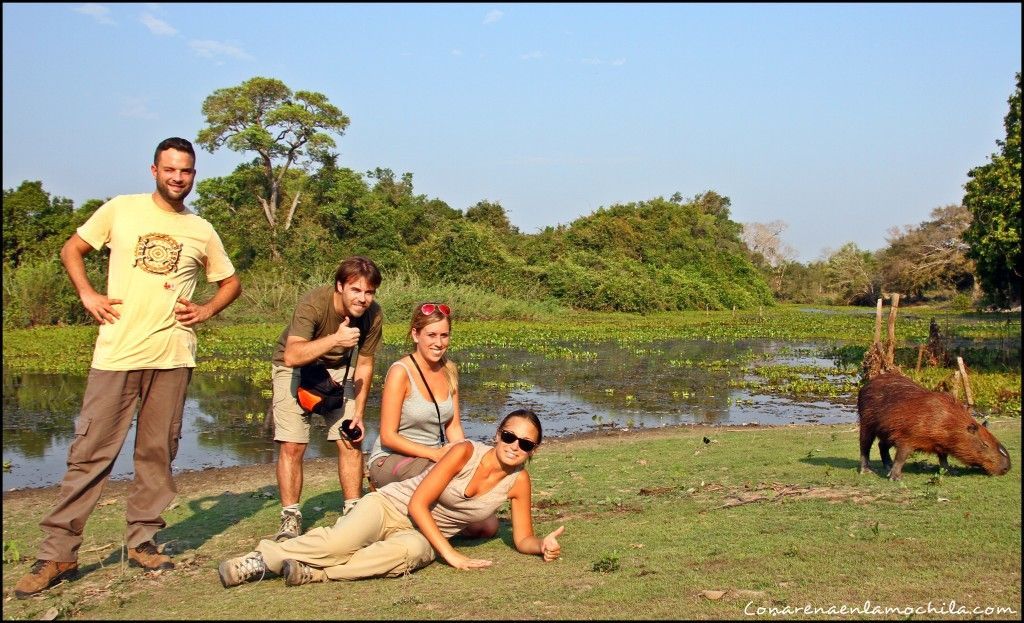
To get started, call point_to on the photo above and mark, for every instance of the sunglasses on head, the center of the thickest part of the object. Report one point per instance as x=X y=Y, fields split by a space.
x=524 y=444
x=428 y=308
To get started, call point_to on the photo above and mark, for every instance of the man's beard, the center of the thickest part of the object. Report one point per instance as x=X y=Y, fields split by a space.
x=165 y=191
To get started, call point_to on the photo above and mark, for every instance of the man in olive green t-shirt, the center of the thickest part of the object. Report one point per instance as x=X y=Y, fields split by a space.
x=330 y=324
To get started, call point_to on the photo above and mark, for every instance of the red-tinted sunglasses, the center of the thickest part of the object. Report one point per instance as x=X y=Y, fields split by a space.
x=428 y=308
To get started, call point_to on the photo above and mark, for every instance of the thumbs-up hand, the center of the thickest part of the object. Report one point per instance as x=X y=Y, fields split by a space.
x=549 y=547
x=346 y=336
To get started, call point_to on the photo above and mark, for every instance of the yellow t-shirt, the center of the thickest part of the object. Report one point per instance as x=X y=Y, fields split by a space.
x=155 y=257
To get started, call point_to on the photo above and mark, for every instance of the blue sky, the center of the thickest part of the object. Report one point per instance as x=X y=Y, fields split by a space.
x=841 y=120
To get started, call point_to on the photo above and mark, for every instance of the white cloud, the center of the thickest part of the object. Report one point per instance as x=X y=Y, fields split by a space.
x=157 y=26
x=136 y=108
x=98 y=12
x=592 y=61
x=212 y=49
x=530 y=56
x=493 y=16
x=619 y=62
x=456 y=52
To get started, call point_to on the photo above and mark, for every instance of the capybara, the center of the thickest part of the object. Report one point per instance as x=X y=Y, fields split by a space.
x=901 y=413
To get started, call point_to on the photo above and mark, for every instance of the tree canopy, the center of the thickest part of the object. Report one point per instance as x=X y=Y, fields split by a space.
x=993 y=198
x=283 y=128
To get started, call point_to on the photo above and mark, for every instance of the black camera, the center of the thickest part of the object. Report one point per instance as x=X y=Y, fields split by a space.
x=349 y=431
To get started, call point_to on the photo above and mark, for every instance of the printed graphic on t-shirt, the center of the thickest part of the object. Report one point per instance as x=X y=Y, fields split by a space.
x=157 y=253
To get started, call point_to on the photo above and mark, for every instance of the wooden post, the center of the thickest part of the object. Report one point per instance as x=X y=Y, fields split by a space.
x=878 y=322
x=920 y=355
x=891 y=348
x=967 y=382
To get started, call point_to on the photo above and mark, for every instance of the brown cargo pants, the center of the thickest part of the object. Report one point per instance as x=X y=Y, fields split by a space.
x=107 y=412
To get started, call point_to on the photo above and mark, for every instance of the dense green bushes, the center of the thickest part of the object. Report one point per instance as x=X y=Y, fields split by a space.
x=656 y=255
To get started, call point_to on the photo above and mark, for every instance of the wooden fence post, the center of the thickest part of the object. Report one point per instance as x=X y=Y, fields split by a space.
x=967 y=382
x=891 y=348
x=878 y=322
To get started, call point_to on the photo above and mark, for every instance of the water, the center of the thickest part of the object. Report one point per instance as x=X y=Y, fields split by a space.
x=574 y=388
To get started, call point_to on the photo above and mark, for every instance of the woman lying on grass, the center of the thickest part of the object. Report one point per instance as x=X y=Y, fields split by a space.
x=376 y=538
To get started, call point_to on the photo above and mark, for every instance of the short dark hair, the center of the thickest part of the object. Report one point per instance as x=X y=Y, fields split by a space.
x=174 y=142
x=357 y=267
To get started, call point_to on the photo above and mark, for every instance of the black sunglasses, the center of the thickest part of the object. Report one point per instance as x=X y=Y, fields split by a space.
x=524 y=444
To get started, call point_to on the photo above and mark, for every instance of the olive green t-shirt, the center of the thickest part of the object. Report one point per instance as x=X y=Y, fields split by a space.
x=315 y=318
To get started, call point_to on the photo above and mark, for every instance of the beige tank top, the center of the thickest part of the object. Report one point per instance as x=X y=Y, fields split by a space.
x=453 y=510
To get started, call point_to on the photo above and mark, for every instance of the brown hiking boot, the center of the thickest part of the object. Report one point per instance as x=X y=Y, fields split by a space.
x=43 y=575
x=296 y=573
x=148 y=557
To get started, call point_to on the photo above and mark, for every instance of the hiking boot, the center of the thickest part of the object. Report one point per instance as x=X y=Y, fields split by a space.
x=235 y=571
x=291 y=526
x=296 y=573
x=149 y=557
x=43 y=575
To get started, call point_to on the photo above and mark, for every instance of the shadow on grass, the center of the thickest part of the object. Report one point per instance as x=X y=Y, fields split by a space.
x=921 y=466
x=316 y=508
x=213 y=514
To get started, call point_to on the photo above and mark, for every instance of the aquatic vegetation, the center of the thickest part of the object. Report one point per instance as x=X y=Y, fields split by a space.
x=580 y=339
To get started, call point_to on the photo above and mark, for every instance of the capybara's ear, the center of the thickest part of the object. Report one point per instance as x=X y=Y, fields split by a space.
x=972 y=428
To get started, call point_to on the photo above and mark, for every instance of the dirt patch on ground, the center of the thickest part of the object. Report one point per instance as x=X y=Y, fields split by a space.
x=775 y=492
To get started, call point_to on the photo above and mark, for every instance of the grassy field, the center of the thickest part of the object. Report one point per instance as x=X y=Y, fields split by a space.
x=674 y=523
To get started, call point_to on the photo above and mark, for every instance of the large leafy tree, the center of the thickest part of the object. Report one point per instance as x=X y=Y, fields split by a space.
x=850 y=275
x=930 y=256
x=282 y=128
x=35 y=225
x=993 y=198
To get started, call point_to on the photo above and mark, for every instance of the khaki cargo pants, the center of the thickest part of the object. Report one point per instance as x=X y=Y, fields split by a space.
x=108 y=407
x=372 y=540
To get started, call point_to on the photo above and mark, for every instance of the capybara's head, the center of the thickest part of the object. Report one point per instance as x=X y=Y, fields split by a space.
x=981 y=448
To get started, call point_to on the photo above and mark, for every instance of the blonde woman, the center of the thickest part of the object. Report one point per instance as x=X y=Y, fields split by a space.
x=419 y=412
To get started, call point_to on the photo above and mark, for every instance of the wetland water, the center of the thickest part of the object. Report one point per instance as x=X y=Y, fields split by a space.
x=574 y=388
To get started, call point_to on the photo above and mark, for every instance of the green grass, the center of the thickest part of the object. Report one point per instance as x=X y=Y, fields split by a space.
x=770 y=517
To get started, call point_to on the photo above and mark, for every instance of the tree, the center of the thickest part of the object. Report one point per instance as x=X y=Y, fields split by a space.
x=930 y=256
x=765 y=241
x=34 y=223
x=850 y=275
x=492 y=214
x=993 y=198
x=262 y=115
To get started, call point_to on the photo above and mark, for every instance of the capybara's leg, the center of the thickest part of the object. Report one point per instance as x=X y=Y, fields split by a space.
x=866 y=439
x=902 y=452
x=942 y=461
x=883 y=449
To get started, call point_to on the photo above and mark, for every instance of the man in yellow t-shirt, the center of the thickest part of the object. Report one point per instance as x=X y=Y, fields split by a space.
x=144 y=356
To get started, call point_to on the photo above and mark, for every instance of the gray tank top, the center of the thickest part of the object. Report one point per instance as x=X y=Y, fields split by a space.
x=418 y=419
x=453 y=510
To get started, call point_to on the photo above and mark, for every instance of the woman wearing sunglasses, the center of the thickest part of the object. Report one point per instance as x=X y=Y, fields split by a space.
x=419 y=411
x=378 y=538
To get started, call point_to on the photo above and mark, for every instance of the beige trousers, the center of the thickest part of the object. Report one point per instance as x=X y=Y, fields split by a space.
x=372 y=540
